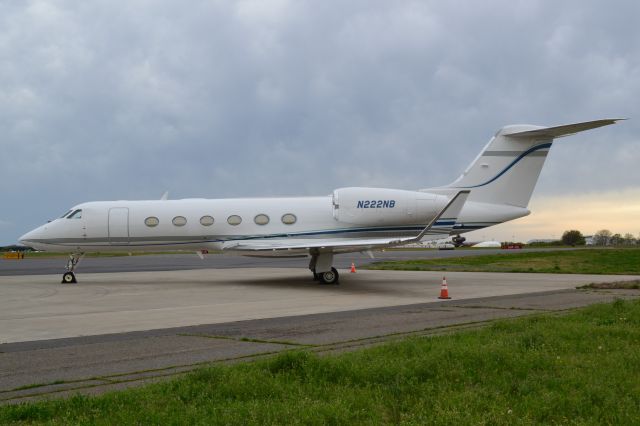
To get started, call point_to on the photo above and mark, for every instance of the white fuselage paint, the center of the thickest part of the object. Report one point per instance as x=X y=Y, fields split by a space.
x=120 y=225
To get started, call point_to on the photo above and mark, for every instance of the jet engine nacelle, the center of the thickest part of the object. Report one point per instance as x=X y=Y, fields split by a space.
x=380 y=206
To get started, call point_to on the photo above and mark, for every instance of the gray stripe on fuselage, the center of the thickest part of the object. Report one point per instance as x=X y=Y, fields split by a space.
x=195 y=240
x=514 y=153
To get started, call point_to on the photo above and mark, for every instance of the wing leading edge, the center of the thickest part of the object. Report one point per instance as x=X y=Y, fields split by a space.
x=290 y=247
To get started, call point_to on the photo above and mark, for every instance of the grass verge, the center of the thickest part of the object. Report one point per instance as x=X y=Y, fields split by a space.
x=592 y=261
x=622 y=285
x=581 y=368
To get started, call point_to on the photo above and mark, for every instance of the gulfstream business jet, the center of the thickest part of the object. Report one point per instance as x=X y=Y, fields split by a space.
x=495 y=188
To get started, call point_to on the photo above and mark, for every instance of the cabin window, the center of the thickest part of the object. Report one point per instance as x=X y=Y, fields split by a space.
x=179 y=221
x=151 y=221
x=75 y=215
x=261 y=219
x=234 y=220
x=289 y=219
x=206 y=220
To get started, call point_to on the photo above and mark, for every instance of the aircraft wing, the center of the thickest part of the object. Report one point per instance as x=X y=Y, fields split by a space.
x=296 y=247
x=283 y=248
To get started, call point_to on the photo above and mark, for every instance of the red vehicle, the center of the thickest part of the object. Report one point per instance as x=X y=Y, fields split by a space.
x=511 y=246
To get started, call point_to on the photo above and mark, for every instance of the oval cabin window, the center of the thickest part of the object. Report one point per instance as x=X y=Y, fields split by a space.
x=151 y=221
x=261 y=219
x=234 y=220
x=179 y=221
x=289 y=219
x=206 y=220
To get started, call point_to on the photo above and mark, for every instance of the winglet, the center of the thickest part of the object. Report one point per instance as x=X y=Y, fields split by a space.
x=450 y=211
x=165 y=196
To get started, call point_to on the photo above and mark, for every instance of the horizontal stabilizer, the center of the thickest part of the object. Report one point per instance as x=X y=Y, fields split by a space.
x=565 y=130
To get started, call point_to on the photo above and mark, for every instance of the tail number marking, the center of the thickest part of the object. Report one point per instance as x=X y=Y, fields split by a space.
x=376 y=204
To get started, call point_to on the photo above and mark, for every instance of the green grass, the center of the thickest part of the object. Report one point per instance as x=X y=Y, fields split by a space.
x=622 y=285
x=590 y=261
x=581 y=368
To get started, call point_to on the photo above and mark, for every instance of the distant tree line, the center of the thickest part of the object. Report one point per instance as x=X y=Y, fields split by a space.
x=604 y=237
x=14 y=247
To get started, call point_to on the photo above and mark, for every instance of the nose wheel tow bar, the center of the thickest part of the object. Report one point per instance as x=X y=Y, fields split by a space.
x=69 y=277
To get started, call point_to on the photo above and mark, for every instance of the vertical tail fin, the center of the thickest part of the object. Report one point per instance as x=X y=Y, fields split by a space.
x=507 y=170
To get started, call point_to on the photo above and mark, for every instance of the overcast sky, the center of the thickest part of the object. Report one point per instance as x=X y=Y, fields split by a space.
x=124 y=100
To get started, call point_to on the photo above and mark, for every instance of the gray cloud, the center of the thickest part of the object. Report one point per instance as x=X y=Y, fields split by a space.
x=104 y=101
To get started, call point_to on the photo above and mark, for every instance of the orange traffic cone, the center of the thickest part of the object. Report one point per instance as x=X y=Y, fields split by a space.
x=444 y=290
x=353 y=268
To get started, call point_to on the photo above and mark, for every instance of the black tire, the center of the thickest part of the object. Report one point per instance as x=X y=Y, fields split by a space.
x=69 y=278
x=316 y=276
x=330 y=277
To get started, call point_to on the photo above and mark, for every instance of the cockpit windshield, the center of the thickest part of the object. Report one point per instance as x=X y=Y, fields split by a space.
x=65 y=215
x=77 y=214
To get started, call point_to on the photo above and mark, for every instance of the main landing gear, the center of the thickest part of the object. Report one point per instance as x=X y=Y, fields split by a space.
x=458 y=241
x=69 y=277
x=320 y=265
x=329 y=277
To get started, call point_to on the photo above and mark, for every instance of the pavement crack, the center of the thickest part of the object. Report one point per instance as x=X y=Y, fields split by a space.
x=246 y=339
x=505 y=308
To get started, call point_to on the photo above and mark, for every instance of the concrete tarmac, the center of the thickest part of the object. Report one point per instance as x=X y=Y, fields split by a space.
x=39 y=307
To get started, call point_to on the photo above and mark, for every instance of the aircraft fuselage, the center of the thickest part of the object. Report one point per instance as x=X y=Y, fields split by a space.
x=207 y=224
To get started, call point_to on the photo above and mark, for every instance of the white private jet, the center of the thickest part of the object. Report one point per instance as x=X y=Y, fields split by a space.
x=495 y=188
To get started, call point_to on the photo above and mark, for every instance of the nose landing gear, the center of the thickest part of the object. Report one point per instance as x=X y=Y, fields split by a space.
x=69 y=277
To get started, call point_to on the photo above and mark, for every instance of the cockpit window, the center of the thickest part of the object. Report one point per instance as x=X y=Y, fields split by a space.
x=64 y=215
x=75 y=215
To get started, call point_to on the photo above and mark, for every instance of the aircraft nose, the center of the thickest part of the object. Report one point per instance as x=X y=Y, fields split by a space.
x=24 y=240
x=37 y=238
x=27 y=239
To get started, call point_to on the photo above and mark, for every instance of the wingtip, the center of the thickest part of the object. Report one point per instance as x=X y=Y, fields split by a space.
x=612 y=120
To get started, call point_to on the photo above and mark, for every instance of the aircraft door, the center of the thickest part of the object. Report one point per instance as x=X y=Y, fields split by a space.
x=119 y=225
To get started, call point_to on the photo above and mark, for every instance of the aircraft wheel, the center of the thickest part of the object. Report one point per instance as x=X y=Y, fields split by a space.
x=69 y=278
x=316 y=276
x=330 y=277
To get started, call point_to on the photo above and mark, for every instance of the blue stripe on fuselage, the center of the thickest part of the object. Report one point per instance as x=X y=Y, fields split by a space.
x=440 y=228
